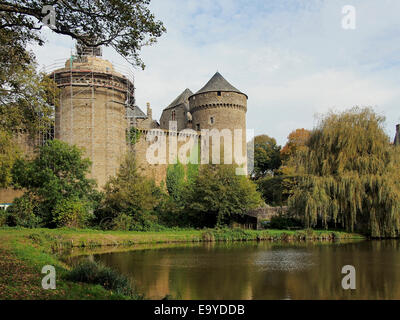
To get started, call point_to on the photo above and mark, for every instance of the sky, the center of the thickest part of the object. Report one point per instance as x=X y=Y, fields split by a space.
x=293 y=58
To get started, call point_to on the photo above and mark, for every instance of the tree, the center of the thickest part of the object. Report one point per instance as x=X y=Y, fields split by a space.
x=131 y=198
x=297 y=140
x=57 y=174
x=8 y=155
x=125 y=25
x=266 y=156
x=277 y=189
x=350 y=175
x=217 y=196
x=176 y=180
x=26 y=100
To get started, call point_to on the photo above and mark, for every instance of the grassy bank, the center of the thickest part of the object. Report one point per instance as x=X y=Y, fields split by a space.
x=25 y=251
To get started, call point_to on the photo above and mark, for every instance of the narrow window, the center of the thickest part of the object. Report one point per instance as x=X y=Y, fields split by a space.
x=219 y=93
x=198 y=127
x=173 y=115
x=212 y=120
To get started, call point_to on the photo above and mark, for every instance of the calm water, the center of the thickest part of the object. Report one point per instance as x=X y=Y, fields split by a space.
x=262 y=270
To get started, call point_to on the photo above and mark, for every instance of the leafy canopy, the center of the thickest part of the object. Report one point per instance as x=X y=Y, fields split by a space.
x=350 y=175
x=8 y=155
x=217 y=195
x=297 y=140
x=131 y=197
x=58 y=173
x=175 y=180
x=266 y=156
x=125 y=25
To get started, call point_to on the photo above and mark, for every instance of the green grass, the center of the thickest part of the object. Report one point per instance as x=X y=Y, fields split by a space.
x=58 y=239
x=25 y=251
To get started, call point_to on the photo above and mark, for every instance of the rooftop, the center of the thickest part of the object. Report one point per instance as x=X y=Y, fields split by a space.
x=218 y=83
x=135 y=112
x=183 y=98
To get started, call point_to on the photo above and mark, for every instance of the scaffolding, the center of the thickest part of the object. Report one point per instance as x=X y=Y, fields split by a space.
x=83 y=82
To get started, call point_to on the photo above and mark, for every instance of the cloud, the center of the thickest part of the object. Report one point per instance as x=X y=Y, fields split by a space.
x=291 y=57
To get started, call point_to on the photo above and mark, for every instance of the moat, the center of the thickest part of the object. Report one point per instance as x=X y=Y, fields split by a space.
x=263 y=270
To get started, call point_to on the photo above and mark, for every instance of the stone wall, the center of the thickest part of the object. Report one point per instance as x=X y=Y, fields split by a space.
x=8 y=195
x=180 y=117
x=266 y=213
x=147 y=143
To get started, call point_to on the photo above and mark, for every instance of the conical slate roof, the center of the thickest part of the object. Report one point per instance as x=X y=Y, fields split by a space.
x=183 y=98
x=218 y=83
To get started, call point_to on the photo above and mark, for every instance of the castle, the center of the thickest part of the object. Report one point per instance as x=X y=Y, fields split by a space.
x=218 y=107
x=96 y=110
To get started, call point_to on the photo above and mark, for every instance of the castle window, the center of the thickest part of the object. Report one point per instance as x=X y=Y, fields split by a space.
x=212 y=120
x=219 y=93
x=198 y=127
x=173 y=115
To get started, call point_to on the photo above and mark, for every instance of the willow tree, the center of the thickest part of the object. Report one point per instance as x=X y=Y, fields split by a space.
x=349 y=175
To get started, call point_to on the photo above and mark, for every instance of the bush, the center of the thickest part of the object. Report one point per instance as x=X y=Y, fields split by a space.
x=3 y=218
x=282 y=223
x=59 y=173
x=218 y=196
x=23 y=213
x=172 y=214
x=94 y=273
x=71 y=213
x=276 y=190
x=123 y=222
x=130 y=200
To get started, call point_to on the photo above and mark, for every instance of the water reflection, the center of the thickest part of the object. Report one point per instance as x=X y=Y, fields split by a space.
x=262 y=270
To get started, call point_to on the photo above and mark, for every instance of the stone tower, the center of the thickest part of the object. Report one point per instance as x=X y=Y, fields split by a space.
x=92 y=110
x=219 y=105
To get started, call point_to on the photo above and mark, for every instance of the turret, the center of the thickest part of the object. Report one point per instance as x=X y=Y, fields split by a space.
x=219 y=105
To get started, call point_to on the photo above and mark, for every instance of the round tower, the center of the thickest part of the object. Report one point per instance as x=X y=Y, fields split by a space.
x=219 y=105
x=91 y=112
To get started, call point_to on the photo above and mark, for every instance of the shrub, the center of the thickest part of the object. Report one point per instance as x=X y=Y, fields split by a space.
x=282 y=223
x=3 y=218
x=59 y=173
x=71 y=213
x=218 y=196
x=175 y=180
x=131 y=195
x=123 y=222
x=23 y=213
x=94 y=273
